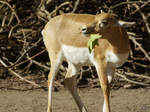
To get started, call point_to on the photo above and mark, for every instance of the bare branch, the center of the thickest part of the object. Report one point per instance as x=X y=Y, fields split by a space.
x=16 y=74
x=144 y=18
x=60 y=6
x=4 y=2
x=131 y=81
x=128 y=2
x=140 y=47
x=75 y=6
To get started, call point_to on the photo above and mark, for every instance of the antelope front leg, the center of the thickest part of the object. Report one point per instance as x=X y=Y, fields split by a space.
x=102 y=74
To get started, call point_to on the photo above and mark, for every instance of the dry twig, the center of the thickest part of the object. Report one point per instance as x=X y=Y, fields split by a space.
x=131 y=81
x=30 y=58
x=125 y=3
x=139 y=8
x=60 y=6
x=12 y=9
x=16 y=62
x=140 y=47
x=144 y=17
x=75 y=6
x=16 y=74
x=137 y=75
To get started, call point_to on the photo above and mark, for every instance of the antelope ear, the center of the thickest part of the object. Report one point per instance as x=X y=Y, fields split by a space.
x=126 y=24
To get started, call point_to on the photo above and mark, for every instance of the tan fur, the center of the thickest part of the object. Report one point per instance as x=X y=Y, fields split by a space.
x=67 y=30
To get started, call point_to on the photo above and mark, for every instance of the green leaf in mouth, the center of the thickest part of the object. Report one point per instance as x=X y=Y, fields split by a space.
x=93 y=41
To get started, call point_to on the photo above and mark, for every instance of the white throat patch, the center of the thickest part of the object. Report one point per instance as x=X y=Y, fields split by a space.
x=117 y=59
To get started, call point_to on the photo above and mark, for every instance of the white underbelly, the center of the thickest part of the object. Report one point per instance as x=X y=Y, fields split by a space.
x=77 y=55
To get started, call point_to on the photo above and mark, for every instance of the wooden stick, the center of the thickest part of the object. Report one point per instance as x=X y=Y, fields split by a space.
x=140 y=47
x=4 y=2
x=16 y=74
x=131 y=81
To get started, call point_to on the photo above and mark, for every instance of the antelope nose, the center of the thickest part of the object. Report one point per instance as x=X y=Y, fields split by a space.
x=84 y=29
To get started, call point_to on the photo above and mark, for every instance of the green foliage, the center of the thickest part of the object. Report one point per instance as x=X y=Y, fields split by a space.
x=93 y=41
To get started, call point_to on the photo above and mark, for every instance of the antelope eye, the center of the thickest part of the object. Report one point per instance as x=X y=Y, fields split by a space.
x=104 y=22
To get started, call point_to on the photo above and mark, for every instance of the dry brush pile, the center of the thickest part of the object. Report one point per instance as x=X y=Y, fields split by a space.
x=23 y=54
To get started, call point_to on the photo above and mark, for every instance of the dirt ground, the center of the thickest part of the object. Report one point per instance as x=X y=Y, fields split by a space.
x=122 y=100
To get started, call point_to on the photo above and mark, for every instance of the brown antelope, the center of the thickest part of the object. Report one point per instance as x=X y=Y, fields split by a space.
x=66 y=37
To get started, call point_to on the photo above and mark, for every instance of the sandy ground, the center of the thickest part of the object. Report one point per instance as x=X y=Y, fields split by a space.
x=122 y=100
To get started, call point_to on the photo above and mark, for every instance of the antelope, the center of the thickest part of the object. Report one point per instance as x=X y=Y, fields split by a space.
x=66 y=36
